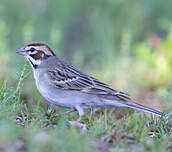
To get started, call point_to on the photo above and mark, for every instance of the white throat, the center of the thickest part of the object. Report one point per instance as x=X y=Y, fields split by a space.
x=34 y=63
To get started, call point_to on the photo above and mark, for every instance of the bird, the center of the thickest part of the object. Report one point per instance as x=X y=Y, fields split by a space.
x=63 y=85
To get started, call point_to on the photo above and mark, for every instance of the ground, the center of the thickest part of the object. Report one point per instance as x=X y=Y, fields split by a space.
x=26 y=127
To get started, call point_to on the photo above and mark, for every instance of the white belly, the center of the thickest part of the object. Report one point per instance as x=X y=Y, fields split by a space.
x=62 y=97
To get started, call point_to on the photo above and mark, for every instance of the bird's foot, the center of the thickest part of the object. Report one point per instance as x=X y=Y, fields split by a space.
x=80 y=126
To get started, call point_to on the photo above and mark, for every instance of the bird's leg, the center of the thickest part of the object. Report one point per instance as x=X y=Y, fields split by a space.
x=81 y=127
x=79 y=119
x=80 y=112
x=68 y=112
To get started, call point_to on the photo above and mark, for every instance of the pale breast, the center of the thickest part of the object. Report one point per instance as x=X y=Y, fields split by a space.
x=61 y=97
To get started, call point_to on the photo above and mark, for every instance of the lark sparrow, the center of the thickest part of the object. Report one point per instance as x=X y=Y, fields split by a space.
x=63 y=85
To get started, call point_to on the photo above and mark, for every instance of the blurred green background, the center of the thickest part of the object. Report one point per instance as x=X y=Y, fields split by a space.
x=127 y=44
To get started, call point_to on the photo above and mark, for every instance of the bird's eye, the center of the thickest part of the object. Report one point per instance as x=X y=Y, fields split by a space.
x=32 y=50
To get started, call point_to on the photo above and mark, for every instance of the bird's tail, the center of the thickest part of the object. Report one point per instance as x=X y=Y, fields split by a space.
x=130 y=104
x=136 y=106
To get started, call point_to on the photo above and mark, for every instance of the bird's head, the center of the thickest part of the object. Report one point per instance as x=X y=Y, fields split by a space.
x=35 y=53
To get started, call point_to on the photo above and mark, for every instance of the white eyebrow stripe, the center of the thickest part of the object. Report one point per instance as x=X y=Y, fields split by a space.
x=29 y=47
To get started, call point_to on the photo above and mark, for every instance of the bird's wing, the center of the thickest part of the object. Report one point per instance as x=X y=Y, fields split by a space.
x=67 y=77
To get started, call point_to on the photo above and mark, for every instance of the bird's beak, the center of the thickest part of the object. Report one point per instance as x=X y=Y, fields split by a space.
x=21 y=51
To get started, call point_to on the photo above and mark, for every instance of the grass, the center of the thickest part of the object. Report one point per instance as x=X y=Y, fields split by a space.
x=34 y=128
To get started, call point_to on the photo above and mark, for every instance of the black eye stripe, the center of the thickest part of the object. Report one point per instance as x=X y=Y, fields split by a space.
x=32 y=55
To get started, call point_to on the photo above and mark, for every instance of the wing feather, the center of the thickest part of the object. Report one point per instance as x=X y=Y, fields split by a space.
x=67 y=77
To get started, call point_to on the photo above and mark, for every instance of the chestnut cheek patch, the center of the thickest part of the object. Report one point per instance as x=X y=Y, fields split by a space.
x=38 y=55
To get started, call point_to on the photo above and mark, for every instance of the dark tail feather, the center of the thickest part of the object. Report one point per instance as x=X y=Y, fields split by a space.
x=142 y=108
